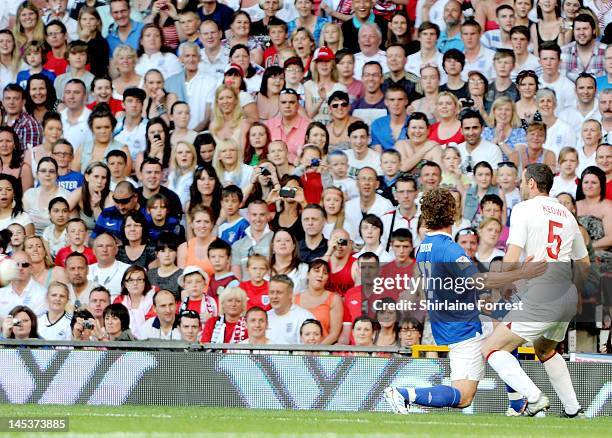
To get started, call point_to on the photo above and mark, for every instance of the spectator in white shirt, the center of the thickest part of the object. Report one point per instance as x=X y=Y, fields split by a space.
x=370 y=38
x=23 y=290
x=151 y=53
x=477 y=57
x=587 y=106
x=474 y=149
x=550 y=59
x=54 y=325
x=428 y=55
x=558 y=133
x=164 y=325
x=360 y=155
x=214 y=56
x=285 y=318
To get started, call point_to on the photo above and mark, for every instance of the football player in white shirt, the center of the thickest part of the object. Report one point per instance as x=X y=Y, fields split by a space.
x=54 y=325
x=542 y=229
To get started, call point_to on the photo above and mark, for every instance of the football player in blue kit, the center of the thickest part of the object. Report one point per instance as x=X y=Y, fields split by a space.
x=452 y=285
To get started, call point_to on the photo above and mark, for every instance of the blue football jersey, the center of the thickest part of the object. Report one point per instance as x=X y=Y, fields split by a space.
x=452 y=307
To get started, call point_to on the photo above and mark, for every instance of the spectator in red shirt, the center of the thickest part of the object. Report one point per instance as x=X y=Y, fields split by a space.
x=341 y=260
x=219 y=255
x=56 y=37
x=194 y=281
x=230 y=327
x=256 y=287
x=102 y=90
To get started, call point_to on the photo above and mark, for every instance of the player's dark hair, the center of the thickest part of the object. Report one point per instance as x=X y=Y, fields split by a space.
x=438 y=209
x=543 y=176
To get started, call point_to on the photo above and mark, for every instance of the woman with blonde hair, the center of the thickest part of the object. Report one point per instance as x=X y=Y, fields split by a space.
x=332 y=37
x=448 y=127
x=228 y=122
x=90 y=31
x=123 y=68
x=183 y=163
x=228 y=162
x=505 y=128
x=28 y=25
x=230 y=326
x=44 y=270
x=9 y=58
x=323 y=84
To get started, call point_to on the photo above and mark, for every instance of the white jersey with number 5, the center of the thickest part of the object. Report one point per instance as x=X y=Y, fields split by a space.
x=547 y=230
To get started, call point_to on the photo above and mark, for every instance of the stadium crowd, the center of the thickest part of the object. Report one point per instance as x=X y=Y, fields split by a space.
x=242 y=171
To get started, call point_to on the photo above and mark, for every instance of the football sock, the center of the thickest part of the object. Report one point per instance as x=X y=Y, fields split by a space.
x=516 y=399
x=440 y=396
x=559 y=376
x=510 y=371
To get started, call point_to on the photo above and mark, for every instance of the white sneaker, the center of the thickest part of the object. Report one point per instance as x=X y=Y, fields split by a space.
x=396 y=400
x=541 y=404
x=511 y=412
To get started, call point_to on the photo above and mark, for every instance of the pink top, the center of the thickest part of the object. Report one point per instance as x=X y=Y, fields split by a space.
x=294 y=138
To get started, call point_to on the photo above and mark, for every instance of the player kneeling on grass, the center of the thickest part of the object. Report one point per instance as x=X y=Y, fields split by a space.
x=442 y=261
x=544 y=229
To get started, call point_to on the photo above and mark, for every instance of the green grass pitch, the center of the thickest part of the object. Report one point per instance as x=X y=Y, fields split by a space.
x=175 y=422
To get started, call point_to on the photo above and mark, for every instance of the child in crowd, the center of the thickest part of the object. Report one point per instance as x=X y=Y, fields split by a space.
x=219 y=255
x=17 y=238
x=294 y=76
x=55 y=235
x=167 y=274
x=338 y=168
x=452 y=177
x=194 y=281
x=232 y=226
x=390 y=161
x=35 y=58
x=333 y=204
x=277 y=31
x=493 y=206
x=117 y=162
x=160 y=221
x=102 y=91
x=313 y=171
x=566 y=180
x=76 y=230
x=205 y=145
x=63 y=152
x=77 y=61
x=257 y=287
x=507 y=174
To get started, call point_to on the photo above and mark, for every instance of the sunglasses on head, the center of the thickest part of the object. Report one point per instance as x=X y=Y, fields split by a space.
x=122 y=201
x=506 y=164
x=467 y=232
x=190 y=314
x=339 y=105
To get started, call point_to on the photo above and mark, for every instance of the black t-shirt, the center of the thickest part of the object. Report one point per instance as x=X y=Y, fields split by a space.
x=460 y=93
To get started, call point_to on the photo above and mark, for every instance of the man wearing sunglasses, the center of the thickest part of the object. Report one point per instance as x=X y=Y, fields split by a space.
x=289 y=126
x=23 y=290
x=111 y=218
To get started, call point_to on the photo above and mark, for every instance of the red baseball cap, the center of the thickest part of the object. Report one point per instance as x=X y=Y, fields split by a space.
x=323 y=54
x=234 y=67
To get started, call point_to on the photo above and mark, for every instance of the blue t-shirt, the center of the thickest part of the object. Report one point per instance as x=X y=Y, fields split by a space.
x=383 y=135
x=444 y=267
x=71 y=181
x=602 y=83
x=24 y=75
x=234 y=231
